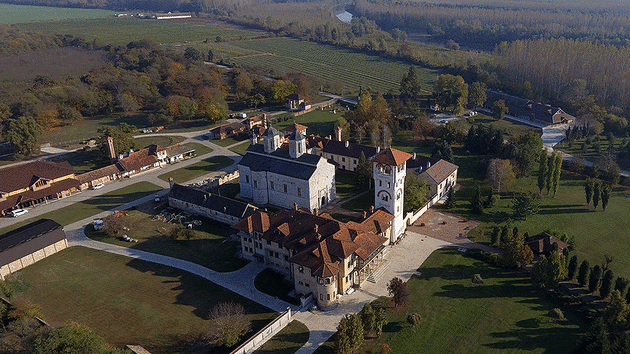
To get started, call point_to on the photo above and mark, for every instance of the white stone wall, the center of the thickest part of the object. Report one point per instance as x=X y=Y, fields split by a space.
x=196 y=209
x=38 y=255
x=264 y=334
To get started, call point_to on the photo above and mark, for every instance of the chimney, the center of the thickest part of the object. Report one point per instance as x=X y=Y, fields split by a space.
x=112 y=151
x=364 y=214
x=347 y=144
x=170 y=182
x=338 y=131
x=317 y=235
x=254 y=138
x=295 y=206
x=414 y=156
x=315 y=211
x=372 y=209
x=328 y=137
x=378 y=149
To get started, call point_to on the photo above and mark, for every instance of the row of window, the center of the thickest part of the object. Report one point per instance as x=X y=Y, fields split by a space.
x=272 y=186
x=305 y=284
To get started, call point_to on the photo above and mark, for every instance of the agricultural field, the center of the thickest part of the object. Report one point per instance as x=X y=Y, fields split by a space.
x=123 y=30
x=501 y=315
x=26 y=13
x=56 y=63
x=128 y=301
x=345 y=66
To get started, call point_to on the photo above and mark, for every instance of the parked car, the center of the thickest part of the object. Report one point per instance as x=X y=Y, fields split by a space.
x=17 y=212
x=98 y=186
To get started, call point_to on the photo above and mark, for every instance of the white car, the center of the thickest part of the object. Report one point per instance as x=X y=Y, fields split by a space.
x=17 y=212
x=98 y=186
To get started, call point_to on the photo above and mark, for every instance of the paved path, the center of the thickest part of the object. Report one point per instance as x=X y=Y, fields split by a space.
x=148 y=176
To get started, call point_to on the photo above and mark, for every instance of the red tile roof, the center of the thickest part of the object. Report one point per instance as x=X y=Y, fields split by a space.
x=138 y=159
x=391 y=157
x=293 y=127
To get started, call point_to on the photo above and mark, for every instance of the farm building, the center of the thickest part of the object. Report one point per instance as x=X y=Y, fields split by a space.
x=35 y=182
x=228 y=130
x=297 y=102
x=528 y=109
x=543 y=243
x=211 y=206
x=30 y=243
x=101 y=175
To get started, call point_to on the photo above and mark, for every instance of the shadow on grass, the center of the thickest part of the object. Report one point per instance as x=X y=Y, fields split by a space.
x=534 y=338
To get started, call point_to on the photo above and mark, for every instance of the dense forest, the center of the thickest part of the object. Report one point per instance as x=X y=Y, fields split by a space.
x=484 y=25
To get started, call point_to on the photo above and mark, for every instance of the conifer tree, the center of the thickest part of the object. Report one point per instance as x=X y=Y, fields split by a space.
x=542 y=170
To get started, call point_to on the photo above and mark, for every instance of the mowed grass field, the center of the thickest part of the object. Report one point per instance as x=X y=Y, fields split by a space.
x=503 y=315
x=198 y=169
x=129 y=301
x=123 y=30
x=351 y=68
x=26 y=13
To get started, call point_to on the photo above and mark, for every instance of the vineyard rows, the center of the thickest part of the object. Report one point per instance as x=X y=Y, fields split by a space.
x=330 y=64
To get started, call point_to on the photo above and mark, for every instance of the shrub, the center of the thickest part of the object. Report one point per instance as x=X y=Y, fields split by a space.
x=414 y=319
x=556 y=314
x=476 y=279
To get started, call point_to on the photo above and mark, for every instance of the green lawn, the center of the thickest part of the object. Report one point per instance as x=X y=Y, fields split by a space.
x=128 y=301
x=93 y=206
x=503 y=315
x=230 y=141
x=88 y=128
x=591 y=154
x=209 y=247
x=124 y=30
x=162 y=140
x=200 y=149
x=273 y=283
x=198 y=169
x=362 y=203
x=82 y=161
x=319 y=122
x=288 y=341
x=241 y=149
x=26 y=13
x=346 y=184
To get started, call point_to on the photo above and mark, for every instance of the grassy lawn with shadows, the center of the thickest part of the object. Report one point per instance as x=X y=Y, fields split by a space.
x=82 y=160
x=288 y=341
x=319 y=122
x=84 y=209
x=359 y=204
x=198 y=169
x=88 y=128
x=241 y=149
x=230 y=141
x=162 y=140
x=209 y=246
x=502 y=315
x=346 y=184
x=273 y=283
x=129 y=301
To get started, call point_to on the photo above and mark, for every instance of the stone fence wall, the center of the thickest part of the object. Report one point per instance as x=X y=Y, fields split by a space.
x=264 y=334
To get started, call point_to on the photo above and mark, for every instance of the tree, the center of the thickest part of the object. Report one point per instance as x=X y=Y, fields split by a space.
x=616 y=313
x=596 y=193
x=525 y=204
x=442 y=150
x=113 y=224
x=605 y=195
x=123 y=139
x=557 y=170
x=477 y=94
x=476 y=202
x=526 y=152
x=355 y=331
x=607 y=283
x=343 y=344
x=608 y=166
x=589 y=184
x=594 y=278
x=229 y=323
x=450 y=200
x=516 y=253
x=381 y=320
x=451 y=92
x=416 y=190
x=539 y=272
x=557 y=269
x=364 y=172
x=210 y=55
x=572 y=269
x=501 y=175
x=71 y=338
x=345 y=128
x=23 y=134
x=499 y=109
x=583 y=273
x=397 y=288
x=542 y=169
x=281 y=89
x=621 y=345
x=380 y=110
x=494 y=236
x=595 y=340
x=368 y=318
x=621 y=284
x=193 y=54
x=410 y=85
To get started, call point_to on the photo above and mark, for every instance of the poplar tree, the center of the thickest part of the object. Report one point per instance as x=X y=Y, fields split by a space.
x=557 y=170
x=583 y=273
x=605 y=195
x=588 y=190
x=549 y=172
x=596 y=193
x=542 y=170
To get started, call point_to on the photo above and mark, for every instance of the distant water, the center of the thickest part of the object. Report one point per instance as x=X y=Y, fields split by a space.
x=345 y=17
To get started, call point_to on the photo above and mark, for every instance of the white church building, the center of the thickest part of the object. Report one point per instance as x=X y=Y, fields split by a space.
x=281 y=177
